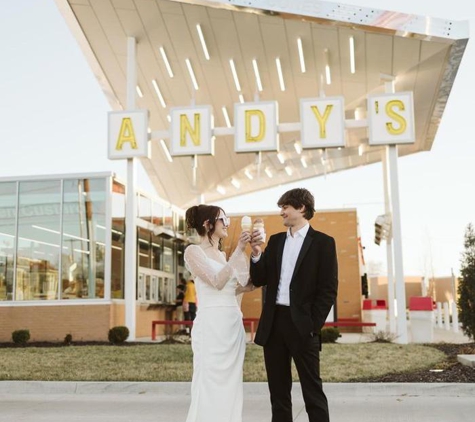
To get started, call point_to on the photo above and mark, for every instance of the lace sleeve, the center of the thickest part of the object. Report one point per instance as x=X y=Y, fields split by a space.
x=197 y=263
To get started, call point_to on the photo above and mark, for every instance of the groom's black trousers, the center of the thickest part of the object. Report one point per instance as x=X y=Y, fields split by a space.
x=284 y=344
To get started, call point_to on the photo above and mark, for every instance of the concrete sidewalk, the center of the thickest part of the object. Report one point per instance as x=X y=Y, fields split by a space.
x=168 y=402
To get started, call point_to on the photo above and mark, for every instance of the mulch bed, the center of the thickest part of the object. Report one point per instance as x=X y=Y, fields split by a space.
x=452 y=370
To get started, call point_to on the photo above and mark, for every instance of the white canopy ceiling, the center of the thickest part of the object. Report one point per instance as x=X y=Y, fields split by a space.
x=422 y=53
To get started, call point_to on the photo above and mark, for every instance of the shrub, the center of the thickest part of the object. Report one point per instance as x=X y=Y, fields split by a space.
x=383 y=337
x=466 y=288
x=68 y=339
x=21 y=336
x=330 y=334
x=118 y=335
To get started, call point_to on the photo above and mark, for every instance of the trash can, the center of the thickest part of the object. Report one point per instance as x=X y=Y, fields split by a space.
x=375 y=310
x=421 y=316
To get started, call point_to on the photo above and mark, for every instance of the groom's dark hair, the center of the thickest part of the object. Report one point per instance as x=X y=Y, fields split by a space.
x=297 y=198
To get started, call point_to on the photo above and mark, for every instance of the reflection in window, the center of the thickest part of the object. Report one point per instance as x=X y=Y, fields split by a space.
x=118 y=240
x=38 y=240
x=8 y=201
x=84 y=238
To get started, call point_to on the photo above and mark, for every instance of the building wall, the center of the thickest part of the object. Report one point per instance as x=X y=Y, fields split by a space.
x=440 y=288
x=52 y=323
x=342 y=225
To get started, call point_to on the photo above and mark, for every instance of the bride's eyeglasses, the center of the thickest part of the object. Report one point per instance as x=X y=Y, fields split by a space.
x=225 y=220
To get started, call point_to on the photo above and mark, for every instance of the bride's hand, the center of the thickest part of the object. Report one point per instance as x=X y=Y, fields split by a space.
x=244 y=239
x=249 y=287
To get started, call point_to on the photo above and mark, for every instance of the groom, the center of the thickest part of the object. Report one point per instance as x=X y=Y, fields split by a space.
x=299 y=268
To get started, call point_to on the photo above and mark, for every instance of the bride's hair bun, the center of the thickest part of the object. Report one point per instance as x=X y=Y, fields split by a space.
x=191 y=216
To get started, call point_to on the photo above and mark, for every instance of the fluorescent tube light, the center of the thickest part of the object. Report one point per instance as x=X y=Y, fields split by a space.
x=167 y=63
x=301 y=57
x=159 y=93
x=279 y=72
x=192 y=74
x=165 y=150
x=202 y=40
x=235 y=76
x=258 y=76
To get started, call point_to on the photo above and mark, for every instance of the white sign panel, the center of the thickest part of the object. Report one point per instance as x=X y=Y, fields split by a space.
x=323 y=122
x=391 y=119
x=255 y=126
x=191 y=131
x=127 y=134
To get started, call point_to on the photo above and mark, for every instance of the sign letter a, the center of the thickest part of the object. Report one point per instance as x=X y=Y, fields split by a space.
x=126 y=134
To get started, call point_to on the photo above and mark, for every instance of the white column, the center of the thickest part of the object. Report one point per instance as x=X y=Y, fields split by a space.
x=455 y=317
x=131 y=209
x=397 y=237
x=446 y=316
x=439 y=315
x=389 y=248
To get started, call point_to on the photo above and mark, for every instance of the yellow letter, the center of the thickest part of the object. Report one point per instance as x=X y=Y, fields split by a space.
x=126 y=134
x=391 y=113
x=322 y=120
x=185 y=127
x=262 y=125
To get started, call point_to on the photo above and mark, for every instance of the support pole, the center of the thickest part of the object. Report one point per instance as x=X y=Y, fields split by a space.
x=389 y=248
x=397 y=237
x=130 y=275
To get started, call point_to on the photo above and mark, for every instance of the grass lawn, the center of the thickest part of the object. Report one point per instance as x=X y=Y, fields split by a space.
x=173 y=362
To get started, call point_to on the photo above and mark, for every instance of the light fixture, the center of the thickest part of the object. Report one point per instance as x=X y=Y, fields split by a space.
x=192 y=74
x=235 y=183
x=149 y=131
x=235 y=76
x=352 y=55
x=159 y=93
x=202 y=40
x=221 y=189
x=268 y=172
x=328 y=75
x=169 y=118
x=279 y=72
x=258 y=76
x=360 y=149
x=241 y=98
x=301 y=57
x=304 y=162
x=226 y=116
x=288 y=170
x=248 y=174
x=167 y=63
x=165 y=150
x=298 y=147
x=139 y=91
x=281 y=158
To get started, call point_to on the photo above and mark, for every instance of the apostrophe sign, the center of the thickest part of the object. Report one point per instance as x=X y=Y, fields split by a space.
x=128 y=135
x=391 y=119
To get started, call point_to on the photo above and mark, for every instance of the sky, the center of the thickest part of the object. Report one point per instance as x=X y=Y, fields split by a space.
x=53 y=118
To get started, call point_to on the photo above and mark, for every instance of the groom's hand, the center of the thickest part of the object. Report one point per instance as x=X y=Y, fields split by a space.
x=256 y=242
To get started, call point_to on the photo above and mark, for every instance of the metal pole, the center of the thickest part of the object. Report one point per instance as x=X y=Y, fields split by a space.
x=389 y=248
x=397 y=236
x=131 y=209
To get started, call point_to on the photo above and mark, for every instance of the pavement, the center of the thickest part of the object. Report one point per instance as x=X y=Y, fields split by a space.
x=38 y=401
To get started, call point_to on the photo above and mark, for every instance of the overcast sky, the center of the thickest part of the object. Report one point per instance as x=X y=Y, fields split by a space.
x=53 y=118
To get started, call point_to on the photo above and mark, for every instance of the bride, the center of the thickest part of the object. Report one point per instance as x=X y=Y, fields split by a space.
x=218 y=337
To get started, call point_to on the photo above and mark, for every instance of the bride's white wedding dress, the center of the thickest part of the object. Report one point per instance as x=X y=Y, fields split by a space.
x=218 y=337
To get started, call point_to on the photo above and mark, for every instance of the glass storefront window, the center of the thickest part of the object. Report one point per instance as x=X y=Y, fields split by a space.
x=157 y=248
x=143 y=240
x=8 y=203
x=118 y=240
x=168 y=257
x=38 y=240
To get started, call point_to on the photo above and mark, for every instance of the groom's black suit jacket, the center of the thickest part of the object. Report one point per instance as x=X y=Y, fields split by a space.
x=313 y=287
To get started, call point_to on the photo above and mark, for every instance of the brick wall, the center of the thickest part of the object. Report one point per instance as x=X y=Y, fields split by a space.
x=52 y=323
